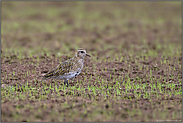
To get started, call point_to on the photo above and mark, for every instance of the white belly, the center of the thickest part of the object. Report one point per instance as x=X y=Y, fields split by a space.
x=67 y=76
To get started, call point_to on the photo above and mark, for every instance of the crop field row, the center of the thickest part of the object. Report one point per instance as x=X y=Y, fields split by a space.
x=134 y=72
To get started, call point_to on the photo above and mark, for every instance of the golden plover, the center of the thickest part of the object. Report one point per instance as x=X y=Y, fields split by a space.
x=68 y=69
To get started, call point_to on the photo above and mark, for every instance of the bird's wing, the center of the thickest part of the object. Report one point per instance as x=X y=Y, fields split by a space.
x=61 y=69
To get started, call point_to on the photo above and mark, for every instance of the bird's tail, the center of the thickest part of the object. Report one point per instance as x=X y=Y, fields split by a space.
x=43 y=78
x=46 y=76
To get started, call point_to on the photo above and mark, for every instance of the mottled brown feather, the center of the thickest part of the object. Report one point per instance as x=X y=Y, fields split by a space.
x=71 y=65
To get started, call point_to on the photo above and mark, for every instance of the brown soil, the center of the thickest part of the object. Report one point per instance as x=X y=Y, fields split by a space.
x=119 y=108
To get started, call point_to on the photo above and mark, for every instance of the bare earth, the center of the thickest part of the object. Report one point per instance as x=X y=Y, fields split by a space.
x=134 y=74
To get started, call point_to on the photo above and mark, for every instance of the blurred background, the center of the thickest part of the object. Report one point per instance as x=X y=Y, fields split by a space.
x=134 y=74
x=60 y=27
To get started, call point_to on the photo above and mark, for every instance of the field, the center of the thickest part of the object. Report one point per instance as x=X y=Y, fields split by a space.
x=134 y=72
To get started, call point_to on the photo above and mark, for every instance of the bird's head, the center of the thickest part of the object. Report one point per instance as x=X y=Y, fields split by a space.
x=81 y=53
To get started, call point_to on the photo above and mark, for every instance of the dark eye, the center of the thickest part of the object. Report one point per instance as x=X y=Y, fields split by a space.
x=82 y=51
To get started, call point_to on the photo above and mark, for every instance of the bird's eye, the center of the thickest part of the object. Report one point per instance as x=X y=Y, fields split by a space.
x=82 y=51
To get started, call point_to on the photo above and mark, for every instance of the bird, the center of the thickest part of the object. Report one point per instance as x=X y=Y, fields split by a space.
x=69 y=69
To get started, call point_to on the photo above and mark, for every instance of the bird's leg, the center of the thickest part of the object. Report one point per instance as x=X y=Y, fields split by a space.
x=66 y=82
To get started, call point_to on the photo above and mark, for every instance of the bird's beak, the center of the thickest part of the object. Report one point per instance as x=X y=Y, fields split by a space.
x=88 y=55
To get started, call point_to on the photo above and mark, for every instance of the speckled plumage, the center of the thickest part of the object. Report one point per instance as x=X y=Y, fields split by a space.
x=68 y=69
